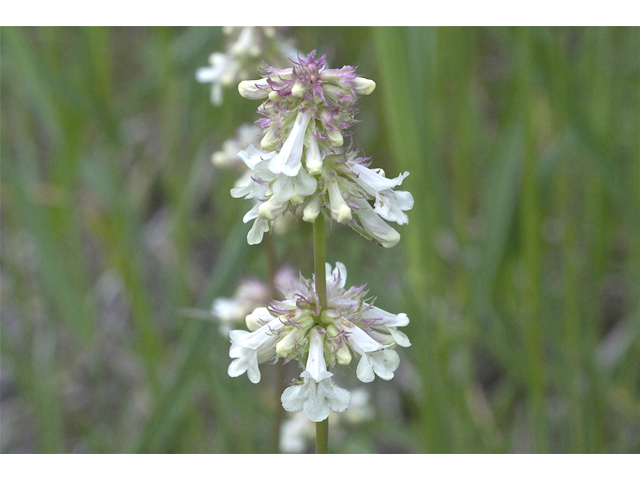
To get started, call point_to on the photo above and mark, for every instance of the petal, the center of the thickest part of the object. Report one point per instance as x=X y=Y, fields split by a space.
x=399 y=337
x=251 y=156
x=293 y=398
x=254 y=89
x=316 y=408
x=364 y=372
x=252 y=214
x=385 y=363
x=358 y=338
x=260 y=227
x=288 y=160
x=305 y=184
x=283 y=188
x=375 y=226
x=373 y=182
x=338 y=398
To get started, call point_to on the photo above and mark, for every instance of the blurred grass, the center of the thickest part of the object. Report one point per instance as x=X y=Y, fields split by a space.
x=519 y=269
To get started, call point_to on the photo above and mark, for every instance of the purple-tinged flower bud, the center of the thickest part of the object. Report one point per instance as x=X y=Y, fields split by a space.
x=254 y=89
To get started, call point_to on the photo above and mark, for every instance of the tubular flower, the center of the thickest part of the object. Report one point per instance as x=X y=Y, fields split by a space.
x=318 y=394
x=297 y=327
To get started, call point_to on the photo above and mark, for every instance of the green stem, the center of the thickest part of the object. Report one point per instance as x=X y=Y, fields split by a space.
x=322 y=428
x=322 y=436
x=319 y=261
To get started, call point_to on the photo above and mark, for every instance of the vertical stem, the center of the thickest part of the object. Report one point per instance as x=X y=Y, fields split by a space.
x=322 y=428
x=319 y=261
x=322 y=436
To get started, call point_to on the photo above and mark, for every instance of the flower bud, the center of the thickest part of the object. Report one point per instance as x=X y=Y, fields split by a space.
x=343 y=355
x=258 y=318
x=312 y=210
x=313 y=158
x=332 y=330
x=330 y=316
x=270 y=140
x=340 y=211
x=254 y=89
x=285 y=346
x=363 y=86
x=298 y=90
x=335 y=138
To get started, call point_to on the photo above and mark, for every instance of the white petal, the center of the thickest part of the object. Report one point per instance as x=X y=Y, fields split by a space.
x=385 y=362
x=251 y=156
x=386 y=318
x=364 y=372
x=316 y=408
x=316 y=364
x=399 y=337
x=313 y=159
x=339 y=274
x=283 y=188
x=305 y=184
x=252 y=214
x=293 y=398
x=338 y=398
x=288 y=160
x=260 y=227
x=373 y=182
x=340 y=211
x=376 y=226
x=358 y=338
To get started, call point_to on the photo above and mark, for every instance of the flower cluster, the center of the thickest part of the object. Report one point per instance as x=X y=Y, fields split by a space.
x=247 y=46
x=351 y=326
x=307 y=105
x=302 y=164
x=343 y=190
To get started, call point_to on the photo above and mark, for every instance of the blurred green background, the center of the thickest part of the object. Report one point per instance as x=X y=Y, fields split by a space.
x=519 y=268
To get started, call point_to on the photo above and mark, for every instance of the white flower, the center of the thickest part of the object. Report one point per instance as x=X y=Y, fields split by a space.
x=375 y=357
x=374 y=225
x=249 y=349
x=382 y=362
x=213 y=74
x=388 y=203
x=260 y=226
x=294 y=188
x=340 y=211
x=256 y=161
x=318 y=395
x=289 y=159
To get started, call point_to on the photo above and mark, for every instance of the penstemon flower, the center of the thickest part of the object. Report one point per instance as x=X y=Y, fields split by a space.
x=297 y=327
